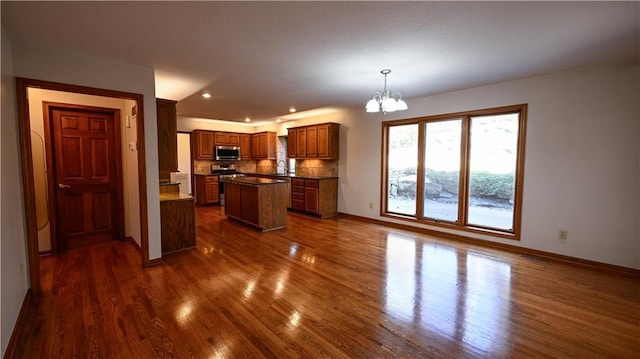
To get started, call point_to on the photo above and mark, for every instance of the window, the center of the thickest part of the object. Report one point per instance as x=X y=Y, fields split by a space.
x=461 y=171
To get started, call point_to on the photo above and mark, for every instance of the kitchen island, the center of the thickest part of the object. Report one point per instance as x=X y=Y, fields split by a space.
x=260 y=202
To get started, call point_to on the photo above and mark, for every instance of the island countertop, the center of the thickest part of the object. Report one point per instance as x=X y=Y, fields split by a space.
x=254 y=181
x=175 y=196
x=289 y=175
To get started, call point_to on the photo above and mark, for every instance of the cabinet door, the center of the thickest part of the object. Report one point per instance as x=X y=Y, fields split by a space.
x=211 y=192
x=246 y=151
x=221 y=138
x=291 y=143
x=250 y=206
x=255 y=146
x=312 y=141
x=167 y=136
x=232 y=200
x=301 y=145
x=324 y=144
x=204 y=145
x=177 y=225
x=311 y=199
x=233 y=139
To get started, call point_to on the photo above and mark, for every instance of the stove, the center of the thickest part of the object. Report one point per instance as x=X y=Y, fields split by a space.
x=226 y=173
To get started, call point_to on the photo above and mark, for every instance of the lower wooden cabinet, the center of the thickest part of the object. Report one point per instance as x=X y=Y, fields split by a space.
x=178 y=225
x=316 y=196
x=207 y=189
x=262 y=206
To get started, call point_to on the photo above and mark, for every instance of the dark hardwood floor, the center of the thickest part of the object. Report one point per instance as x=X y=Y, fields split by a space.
x=333 y=288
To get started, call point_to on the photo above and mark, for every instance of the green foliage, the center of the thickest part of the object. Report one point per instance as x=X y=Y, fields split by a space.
x=483 y=184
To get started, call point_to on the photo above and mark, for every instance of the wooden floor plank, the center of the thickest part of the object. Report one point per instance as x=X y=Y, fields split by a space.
x=337 y=288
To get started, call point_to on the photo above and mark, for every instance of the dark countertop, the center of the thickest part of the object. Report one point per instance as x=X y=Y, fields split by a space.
x=254 y=181
x=289 y=175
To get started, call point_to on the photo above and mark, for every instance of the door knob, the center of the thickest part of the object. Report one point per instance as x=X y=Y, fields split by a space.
x=63 y=186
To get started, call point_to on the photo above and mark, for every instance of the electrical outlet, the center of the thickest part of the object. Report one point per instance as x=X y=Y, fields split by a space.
x=371 y=205
x=21 y=270
x=562 y=234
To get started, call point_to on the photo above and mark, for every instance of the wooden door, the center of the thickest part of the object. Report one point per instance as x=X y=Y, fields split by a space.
x=86 y=166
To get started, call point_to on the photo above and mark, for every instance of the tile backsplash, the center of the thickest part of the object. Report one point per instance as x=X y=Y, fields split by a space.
x=317 y=167
x=303 y=167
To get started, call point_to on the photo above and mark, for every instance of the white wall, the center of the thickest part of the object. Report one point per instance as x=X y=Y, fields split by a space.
x=188 y=124
x=51 y=64
x=13 y=284
x=581 y=161
x=129 y=158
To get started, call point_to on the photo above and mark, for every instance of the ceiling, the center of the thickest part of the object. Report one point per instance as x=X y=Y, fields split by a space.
x=257 y=59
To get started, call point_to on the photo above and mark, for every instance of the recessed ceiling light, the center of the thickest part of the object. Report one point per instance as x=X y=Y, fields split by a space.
x=247 y=119
x=292 y=109
x=278 y=120
x=206 y=95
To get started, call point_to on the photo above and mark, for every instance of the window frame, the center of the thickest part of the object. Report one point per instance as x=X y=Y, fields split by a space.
x=465 y=143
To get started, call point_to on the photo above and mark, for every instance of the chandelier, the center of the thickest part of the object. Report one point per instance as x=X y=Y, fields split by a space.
x=386 y=101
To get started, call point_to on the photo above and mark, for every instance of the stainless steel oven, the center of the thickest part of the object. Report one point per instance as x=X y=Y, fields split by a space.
x=227 y=153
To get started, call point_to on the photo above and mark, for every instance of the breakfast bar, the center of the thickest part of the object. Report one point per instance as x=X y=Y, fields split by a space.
x=260 y=202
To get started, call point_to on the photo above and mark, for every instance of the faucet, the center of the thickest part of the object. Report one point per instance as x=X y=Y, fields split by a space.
x=284 y=164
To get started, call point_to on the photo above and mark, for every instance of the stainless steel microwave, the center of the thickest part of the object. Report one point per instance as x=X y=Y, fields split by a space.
x=227 y=153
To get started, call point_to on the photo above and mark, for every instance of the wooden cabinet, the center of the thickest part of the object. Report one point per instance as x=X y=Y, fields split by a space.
x=317 y=141
x=232 y=200
x=258 y=202
x=246 y=152
x=263 y=145
x=167 y=138
x=177 y=227
x=203 y=145
x=312 y=141
x=226 y=139
x=297 y=194
x=316 y=196
x=292 y=143
x=207 y=189
x=301 y=143
x=328 y=140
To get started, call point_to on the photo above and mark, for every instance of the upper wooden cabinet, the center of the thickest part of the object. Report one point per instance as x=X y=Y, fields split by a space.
x=317 y=141
x=292 y=148
x=246 y=152
x=203 y=145
x=226 y=139
x=263 y=145
x=167 y=137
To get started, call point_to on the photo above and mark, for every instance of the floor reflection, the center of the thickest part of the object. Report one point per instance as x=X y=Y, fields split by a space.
x=464 y=296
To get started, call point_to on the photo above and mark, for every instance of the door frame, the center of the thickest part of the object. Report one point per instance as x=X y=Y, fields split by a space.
x=48 y=106
x=26 y=160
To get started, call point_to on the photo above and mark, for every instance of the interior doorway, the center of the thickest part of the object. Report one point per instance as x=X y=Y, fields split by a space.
x=85 y=174
x=25 y=112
